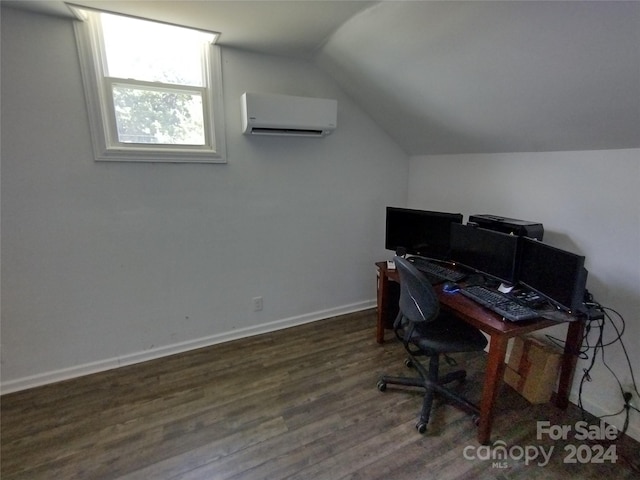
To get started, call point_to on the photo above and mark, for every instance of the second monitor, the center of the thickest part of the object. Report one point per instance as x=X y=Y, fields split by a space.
x=491 y=253
x=556 y=274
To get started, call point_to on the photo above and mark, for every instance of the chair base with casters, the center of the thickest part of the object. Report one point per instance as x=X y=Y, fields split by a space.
x=430 y=380
x=427 y=332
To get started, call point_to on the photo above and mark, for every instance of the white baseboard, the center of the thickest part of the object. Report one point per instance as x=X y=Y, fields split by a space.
x=111 y=363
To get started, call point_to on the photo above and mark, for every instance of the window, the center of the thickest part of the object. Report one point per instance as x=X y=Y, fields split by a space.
x=153 y=90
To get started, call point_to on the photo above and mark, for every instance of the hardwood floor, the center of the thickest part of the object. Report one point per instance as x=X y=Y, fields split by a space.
x=299 y=403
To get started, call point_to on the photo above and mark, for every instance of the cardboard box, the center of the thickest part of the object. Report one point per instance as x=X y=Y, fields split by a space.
x=532 y=369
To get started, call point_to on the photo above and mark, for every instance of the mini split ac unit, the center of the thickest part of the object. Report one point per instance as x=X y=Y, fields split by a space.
x=271 y=114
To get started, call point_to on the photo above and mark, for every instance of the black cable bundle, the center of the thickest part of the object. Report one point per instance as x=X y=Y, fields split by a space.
x=600 y=317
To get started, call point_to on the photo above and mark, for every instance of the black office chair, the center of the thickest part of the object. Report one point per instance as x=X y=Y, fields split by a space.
x=425 y=331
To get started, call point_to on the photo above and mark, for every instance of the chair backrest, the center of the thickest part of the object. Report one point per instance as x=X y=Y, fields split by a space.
x=418 y=299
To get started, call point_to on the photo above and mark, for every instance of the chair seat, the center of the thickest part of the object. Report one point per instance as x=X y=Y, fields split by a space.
x=446 y=334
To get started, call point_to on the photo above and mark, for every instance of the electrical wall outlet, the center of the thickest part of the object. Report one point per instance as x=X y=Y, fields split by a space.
x=257 y=304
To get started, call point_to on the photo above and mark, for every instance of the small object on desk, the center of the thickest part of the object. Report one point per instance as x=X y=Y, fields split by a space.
x=391 y=265
x=450 y=287
x=528 y=298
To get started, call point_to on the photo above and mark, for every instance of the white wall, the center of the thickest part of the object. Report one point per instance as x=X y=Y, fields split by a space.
x=588 y=202
x=109 y=263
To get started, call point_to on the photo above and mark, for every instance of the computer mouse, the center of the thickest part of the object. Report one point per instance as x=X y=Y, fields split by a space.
x=450 y=287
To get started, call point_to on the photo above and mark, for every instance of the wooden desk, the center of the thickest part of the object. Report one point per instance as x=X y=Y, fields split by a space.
x=499 y=332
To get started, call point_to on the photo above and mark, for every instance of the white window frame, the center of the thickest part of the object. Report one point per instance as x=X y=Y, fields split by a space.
x=101 y=110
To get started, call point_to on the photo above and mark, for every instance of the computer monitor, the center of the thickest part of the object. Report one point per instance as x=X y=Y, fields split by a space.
x=419 y=232
x=556 y=274
x=492 y=253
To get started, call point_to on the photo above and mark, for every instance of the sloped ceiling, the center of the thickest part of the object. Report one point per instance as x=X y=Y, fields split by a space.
x=448 y=76
x=473 y=77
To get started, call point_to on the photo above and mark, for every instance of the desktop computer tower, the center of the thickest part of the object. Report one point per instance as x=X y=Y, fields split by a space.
x=521 y=228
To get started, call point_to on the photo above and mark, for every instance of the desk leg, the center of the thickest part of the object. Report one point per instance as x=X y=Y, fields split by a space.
x=383 y=285
x=492 y=383
x=571 y=348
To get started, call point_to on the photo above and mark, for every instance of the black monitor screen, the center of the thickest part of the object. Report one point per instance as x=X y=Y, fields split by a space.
x=485 y=251
x=419 y=232
x=556 y=274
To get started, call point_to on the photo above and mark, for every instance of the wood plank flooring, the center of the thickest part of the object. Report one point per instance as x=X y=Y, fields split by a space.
x=299 y=403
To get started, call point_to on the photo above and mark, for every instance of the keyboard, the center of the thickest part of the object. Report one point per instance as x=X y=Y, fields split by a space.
x=499 y=303
x=436 y=272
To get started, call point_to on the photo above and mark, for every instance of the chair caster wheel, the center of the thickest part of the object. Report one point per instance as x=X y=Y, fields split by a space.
x=421 y=427
x=408 y=363
x=476 y=420
x=382 y=386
